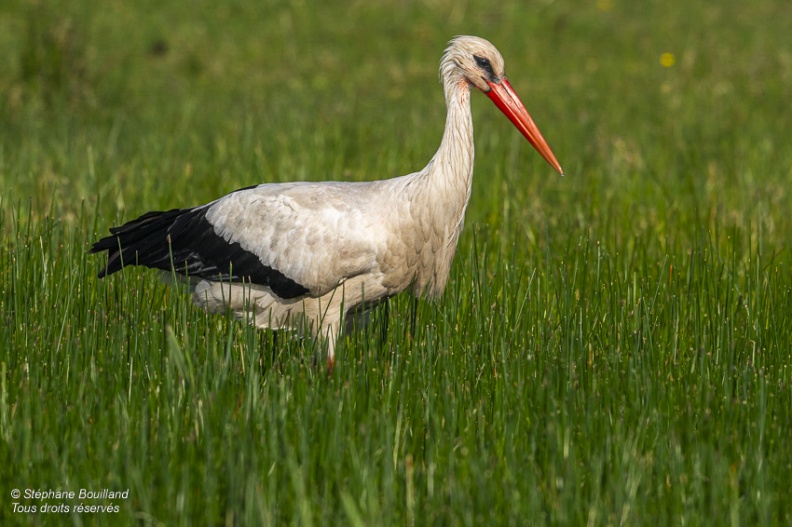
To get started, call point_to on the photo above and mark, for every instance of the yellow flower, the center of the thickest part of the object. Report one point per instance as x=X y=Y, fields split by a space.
x=604 y=5
x=667 y=59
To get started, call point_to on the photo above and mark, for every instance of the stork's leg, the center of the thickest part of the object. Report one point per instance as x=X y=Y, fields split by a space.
x=327 y=339
x=413 y=317
x=330 y=364
x=384 y=321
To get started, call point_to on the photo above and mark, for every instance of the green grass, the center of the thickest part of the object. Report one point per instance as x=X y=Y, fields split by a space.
x=613 y=347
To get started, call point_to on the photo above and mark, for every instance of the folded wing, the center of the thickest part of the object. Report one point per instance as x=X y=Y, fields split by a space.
x=297 y=239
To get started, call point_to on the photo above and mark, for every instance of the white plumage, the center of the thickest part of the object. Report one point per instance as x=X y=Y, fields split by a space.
x=302 y=255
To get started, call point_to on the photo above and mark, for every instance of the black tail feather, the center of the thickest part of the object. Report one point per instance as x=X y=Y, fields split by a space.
x=183 y=240
x=145 y=241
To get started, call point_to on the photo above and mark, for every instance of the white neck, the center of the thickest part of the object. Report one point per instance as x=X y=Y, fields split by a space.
x=445 y=191
x=452 y=164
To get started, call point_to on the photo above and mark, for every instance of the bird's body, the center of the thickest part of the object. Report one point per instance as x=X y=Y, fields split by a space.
x=301 y=255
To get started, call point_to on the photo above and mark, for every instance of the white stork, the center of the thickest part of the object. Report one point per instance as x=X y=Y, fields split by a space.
x=303 y=255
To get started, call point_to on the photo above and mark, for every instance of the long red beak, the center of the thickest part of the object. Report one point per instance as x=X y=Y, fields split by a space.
x=502 y=94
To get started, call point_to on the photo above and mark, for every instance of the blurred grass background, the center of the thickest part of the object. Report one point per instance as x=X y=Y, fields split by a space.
x=614 y=347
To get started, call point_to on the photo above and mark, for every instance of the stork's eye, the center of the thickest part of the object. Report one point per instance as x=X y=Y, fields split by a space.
x=484 y=64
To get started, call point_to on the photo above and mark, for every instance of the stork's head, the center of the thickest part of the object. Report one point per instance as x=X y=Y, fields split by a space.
x=473 y=61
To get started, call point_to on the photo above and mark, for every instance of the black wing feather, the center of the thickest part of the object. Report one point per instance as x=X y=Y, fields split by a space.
x=183 y=240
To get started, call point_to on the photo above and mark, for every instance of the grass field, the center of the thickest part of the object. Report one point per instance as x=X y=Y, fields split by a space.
x=614 y=347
